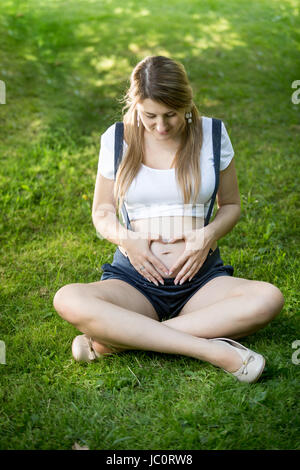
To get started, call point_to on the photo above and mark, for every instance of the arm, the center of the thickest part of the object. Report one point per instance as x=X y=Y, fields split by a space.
x=229 y=205
x=136 y=244
x=199 y=241
x=104 y=215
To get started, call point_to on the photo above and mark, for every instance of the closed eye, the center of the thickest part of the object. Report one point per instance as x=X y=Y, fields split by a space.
x=167 y=115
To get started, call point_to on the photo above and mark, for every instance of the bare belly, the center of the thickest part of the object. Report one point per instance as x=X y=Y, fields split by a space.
x=168 y=254
x=168 y=227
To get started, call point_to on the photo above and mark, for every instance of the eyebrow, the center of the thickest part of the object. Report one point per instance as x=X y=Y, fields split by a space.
x=148 y=112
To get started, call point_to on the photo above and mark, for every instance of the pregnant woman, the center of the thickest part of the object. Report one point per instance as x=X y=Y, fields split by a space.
x=167 y=289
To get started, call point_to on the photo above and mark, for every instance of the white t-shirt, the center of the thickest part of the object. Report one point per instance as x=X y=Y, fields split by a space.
x=155 y=192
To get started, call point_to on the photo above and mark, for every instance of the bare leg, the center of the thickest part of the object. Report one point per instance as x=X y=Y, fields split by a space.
x=232 y=318
x=240 y=312
x=111 y=324
x=229 y=307
x=235 y=317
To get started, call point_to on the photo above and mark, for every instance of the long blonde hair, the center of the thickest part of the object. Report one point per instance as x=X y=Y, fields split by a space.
x=165 y=81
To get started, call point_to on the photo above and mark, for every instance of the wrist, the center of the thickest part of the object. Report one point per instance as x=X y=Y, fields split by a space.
x=210 y=234
x=129 y=238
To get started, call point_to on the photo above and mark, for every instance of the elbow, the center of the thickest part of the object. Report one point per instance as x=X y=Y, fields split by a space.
x=97 y=213
x=238 y=212
x=94 y=216
x=101 y=211
x=97 y=216
x=97 y=223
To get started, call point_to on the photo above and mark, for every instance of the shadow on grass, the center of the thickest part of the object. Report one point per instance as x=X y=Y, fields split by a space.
x=72 y=61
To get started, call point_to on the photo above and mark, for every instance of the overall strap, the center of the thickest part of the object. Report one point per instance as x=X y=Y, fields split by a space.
x=119 y=132
x=216 y=138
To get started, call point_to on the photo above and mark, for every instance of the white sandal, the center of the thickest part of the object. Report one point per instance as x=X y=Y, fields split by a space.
x=82 y=349
x=253 y=363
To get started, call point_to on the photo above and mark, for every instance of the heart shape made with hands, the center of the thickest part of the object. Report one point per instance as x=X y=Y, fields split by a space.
x=193 y=256
x=160 y=238
x=194 y=238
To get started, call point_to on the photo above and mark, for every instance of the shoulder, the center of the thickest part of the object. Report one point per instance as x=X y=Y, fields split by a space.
x=108 y=136
x=207 y=123
x=227 y=151
x=106 y=162
x=207 y=129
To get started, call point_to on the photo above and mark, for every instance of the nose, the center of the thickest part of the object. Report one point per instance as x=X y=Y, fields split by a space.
x=161 y=125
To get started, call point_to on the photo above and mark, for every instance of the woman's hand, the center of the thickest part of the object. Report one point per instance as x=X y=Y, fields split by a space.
x=197 y=245
x=137 y=247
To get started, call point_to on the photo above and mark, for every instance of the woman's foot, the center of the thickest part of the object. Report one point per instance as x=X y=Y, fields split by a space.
x=246 y=365
x=87 y=350
x=227 y=358
x=82 y=349
x=101 y=349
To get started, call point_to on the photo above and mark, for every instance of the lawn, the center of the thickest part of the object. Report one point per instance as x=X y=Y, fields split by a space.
x=65 y=65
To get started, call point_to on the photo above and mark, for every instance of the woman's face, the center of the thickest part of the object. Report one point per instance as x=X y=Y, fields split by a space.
x=161 y=122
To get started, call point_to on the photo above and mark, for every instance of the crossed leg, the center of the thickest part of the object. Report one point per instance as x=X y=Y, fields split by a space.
x=118 y=316
x=229 y=307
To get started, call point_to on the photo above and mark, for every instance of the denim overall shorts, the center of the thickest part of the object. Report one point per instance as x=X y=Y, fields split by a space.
x=168 y=299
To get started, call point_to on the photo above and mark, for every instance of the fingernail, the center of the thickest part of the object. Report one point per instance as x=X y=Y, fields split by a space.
x=181 y=282
x=170 y=272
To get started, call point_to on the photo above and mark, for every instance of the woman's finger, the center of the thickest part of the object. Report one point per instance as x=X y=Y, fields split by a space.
x=192 y=274
x=193 y=271
x=146 y=275
x=152 y=273
x=155 y=275
x=180 y=262
x=173 y=239
x=158 y=264
x=152 y=279
x=183 y=273
x=197 y=267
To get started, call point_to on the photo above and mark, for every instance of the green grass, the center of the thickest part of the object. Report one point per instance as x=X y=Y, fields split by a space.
x=65 y=64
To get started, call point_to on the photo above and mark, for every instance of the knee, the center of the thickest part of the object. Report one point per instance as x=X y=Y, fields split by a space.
x=66 y=302
x=270 y=302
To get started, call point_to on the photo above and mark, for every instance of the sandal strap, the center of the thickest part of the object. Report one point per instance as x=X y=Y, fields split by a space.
x=246 y=361
x=93 y=353
x=229 y=340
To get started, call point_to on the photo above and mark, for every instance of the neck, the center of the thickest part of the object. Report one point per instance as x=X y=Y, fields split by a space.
x=173 y=142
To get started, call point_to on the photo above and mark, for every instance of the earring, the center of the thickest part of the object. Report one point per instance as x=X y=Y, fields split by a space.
x=138 y=120
x=188 y=117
